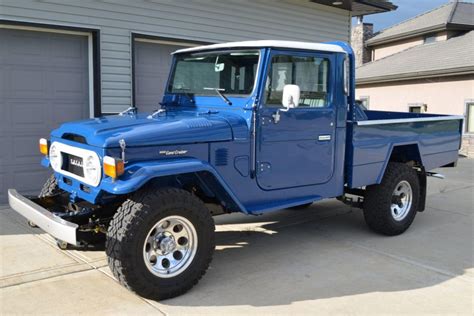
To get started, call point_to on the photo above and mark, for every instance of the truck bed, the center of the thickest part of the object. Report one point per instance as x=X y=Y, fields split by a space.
x=374 y=136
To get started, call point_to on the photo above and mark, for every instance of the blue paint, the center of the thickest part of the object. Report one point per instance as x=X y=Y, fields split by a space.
x=292 y=165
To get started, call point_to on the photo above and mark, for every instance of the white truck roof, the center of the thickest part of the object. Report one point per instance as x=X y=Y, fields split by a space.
x=266 y=43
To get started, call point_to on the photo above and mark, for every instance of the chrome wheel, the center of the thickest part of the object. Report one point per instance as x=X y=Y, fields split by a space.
x=402 y=199
x=170 y=246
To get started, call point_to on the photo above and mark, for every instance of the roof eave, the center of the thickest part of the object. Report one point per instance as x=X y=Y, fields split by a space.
x=360 y=7
x=459 y=71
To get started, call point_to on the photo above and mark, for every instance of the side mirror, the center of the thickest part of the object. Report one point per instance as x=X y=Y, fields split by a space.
x=291 y=97
x=347 y=70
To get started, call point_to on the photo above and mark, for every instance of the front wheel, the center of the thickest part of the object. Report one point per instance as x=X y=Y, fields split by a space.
x=391 y=206
x=160 y=242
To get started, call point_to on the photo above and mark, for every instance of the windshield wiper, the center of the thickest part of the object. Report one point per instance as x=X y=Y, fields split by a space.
x=219 y=92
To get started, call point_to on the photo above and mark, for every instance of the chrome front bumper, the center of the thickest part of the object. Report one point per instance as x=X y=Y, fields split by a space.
x=50 y=223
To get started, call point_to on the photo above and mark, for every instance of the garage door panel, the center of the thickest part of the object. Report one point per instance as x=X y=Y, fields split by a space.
x=5 y=155
x=28 y=47
x=152 y=64
x=27 y=82
x=63 y=112
x=44 y=77
x=28 y=177
x=68 y=83
x=67 y=49
x=3 y=186
x=25 y=150
x=147 y=84
x=27 y=115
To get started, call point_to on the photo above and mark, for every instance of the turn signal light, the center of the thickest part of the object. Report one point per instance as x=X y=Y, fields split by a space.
x=113 y=167
x=43 y=146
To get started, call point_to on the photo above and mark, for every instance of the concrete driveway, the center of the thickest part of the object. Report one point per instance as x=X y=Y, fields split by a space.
x=322 y=260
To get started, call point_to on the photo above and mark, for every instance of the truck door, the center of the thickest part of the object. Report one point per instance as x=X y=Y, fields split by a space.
x=296 y=148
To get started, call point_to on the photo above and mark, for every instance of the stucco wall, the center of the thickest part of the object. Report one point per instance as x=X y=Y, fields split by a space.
x=443 y=96
x=385 y=50
x=382 y=51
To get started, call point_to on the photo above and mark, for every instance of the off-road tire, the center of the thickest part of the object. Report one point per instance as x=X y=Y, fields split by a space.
x=131 y=225
x=378 y=199
x=50 y=187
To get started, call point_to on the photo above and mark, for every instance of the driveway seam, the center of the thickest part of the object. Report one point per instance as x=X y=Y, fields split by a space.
x=412 y=262
x=47 y=278
x=83 y=259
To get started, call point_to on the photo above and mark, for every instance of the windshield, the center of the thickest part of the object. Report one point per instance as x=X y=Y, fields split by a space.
x=230 y=73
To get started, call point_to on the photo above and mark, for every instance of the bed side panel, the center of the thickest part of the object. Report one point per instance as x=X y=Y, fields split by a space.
x=372 y=145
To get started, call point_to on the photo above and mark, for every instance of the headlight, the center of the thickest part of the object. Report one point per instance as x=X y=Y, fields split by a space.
x=55 y=158
x=92 y=169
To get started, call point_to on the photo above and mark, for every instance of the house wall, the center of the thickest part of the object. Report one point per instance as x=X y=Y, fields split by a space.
x=198 y=20
x=381 y=51
x=441 y=95
x=385 y=50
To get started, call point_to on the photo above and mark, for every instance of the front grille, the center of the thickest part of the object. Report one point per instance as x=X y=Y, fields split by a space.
x=73 y=164
x=73 y=160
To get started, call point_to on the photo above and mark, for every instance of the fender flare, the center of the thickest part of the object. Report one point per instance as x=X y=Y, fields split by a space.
x=389 y=155
x=138 y=174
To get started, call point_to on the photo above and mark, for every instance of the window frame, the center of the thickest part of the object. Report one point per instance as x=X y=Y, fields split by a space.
x=423 y=107
x=236 y=50
x=467 y=104
x=367 y=99
x=430 y=38
x=330 y=78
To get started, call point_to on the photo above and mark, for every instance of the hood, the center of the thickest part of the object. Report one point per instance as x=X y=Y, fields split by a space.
x=138 y=130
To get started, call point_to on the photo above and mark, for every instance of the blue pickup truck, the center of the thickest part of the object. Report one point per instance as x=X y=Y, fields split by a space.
x=246 y=127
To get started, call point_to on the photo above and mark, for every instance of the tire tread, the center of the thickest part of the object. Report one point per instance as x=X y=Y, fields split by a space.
x=377 y=200
x=133 y=213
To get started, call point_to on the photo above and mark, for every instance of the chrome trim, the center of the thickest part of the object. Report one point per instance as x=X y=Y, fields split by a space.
x=47 y=221
x=324 y=137
x=436 y=175
x=410 y=120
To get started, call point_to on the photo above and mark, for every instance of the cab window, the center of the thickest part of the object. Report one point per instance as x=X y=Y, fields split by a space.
x=310 y=73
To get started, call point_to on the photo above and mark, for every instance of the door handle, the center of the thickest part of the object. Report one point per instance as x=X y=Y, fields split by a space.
x=276 y=117
x=322 y=138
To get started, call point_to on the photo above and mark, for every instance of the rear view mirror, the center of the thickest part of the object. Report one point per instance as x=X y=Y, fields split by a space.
x=291 y=97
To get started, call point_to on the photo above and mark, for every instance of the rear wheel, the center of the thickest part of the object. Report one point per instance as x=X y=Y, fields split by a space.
x=160 y=242
x=391 y=206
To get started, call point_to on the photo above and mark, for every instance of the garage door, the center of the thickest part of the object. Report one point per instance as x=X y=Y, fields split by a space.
x=152 y=65
x=43 y=82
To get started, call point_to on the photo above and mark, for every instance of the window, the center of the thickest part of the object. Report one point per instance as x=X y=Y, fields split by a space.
x=201 y=73
x=417 y=108
x=430 y=39
x=364 y=101
x=310 y=73
x=470 y=117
